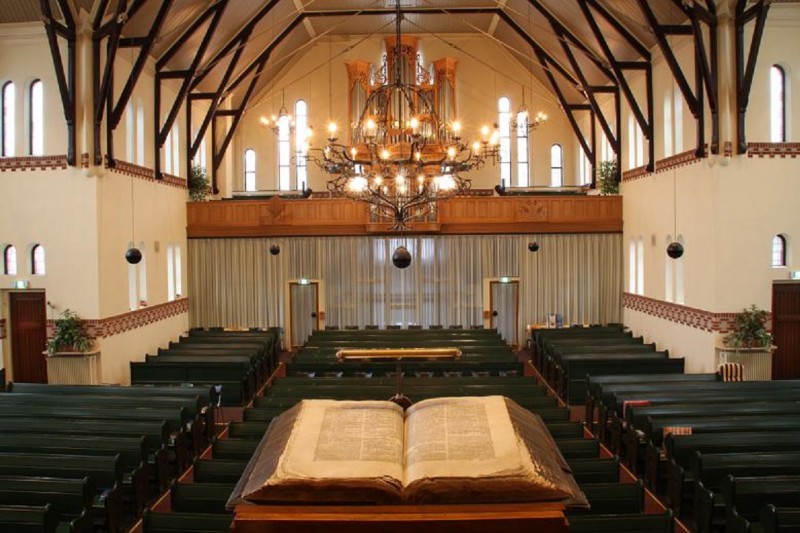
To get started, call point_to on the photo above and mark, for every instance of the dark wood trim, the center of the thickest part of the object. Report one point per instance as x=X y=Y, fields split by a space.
x=744 y=73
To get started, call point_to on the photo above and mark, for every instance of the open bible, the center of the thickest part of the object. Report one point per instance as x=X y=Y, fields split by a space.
x=442 y=450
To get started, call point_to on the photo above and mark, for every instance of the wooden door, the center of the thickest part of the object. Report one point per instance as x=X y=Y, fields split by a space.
x=28 y=336
x=304 y=311
x=786 y=330
x=504 y=304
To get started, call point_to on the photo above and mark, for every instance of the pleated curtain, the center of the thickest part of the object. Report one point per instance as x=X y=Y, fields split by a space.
x=237 y=282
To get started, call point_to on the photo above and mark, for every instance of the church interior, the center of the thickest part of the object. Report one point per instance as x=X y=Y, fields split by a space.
x=216 y=209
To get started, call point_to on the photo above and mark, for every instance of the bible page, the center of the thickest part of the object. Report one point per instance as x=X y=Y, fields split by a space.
x=461 y=437
x=345 y=440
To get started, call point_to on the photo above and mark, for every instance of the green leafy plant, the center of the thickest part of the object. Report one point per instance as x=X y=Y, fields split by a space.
x=608 y=180
x=751 y=331
x=199 y=188
x=68 y=334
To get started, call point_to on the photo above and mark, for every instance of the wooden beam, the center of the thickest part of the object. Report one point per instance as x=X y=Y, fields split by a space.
x=744 y=73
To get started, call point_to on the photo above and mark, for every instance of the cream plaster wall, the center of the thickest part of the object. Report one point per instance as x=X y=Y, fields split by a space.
x=478 y=89
x=118 y=350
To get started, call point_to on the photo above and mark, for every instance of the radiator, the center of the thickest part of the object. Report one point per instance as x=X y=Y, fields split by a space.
x=756 y=363
x=75 y=369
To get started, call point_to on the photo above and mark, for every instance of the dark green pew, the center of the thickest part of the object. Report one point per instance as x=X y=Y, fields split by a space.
x=622 y=523
x=636 y=364
x=28 y=518
x=237 y=386
x=708 y=425
x=71 y=499
x=708 y=471
x=612 y=498
x=200 y=497
x=599 y=387
x=779 y=519
x=186 y=523
x=233 y=449
x=155 y=433
x=224 y=471
x=745 y=497
x=383 y=369
x=595 y=470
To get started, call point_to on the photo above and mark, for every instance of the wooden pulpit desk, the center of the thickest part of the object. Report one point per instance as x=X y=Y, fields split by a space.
x=539 y=517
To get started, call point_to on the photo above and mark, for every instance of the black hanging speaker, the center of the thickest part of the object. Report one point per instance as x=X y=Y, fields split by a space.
x=133 y=256
x=274 y=249
x=675 y=250
x=533 y=246
x=401 y=258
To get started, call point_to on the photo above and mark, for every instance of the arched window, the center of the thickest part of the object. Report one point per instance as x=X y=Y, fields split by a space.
x=139 y=132
x=142 y=276
x=130 y=130
x=170 y=274
x=37 y=260
x=777 y=104
x=168 y=153
x=523 y=164
x=9 y=118
x=778 y=251
x=584 y=168
x=249 y=170
x=10 y=260
x=178 y=272
x=631 y=142
x=669 y=274
x=504 y=121
x=176 y=151
x=667 y=121
x=556 y=166
x=640 y=266
x=284 y=153
x=639 y=146
x=36 y=119
x=680 y=297
x=632 y=266
x=677 y=112
x=301 y=144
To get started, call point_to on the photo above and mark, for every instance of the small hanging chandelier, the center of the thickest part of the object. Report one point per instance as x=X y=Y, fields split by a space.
x=403 y=159
x=276 y=122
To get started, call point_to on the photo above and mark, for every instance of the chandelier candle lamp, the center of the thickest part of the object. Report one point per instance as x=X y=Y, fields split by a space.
x=402 y=158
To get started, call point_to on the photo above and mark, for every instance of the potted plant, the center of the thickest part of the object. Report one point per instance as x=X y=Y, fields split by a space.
x=198 y=183
x=68 y=336
x=751 y=331
x=608 y=177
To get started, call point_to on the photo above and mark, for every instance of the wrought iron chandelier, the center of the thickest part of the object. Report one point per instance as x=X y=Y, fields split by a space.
x=402 y=159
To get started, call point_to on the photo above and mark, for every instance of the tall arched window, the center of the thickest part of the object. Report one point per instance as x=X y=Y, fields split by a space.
x=640 y=266
x=36 y=118
x=10 y=260
x=667 y=121
x=301 y=144
x=669 y=274
x=631 y=142
x=249 y=170
x=504 y=121
x=168 y=153
x=680 y=297
x=523 y=163
x=284 y=153
x=37 y=260
x=639 y=146
x=556 y=166
x=632 y=266
x=142 y=276
x=9 y=118
x=677 y=112
x=777 y=104
x=778 y=251
x=139 y=132
x=176 y=150
x=170 y=274
x=130 y=130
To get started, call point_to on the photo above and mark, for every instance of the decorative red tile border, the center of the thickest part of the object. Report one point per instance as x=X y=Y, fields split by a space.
x=2 y=328
x=662 y=165
x=635 y=173
x=147 y=174
x=772 y=150
x=680 y=314
x=727 y=149
x=33 y=162
x=84 y=160
x=114 y=325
